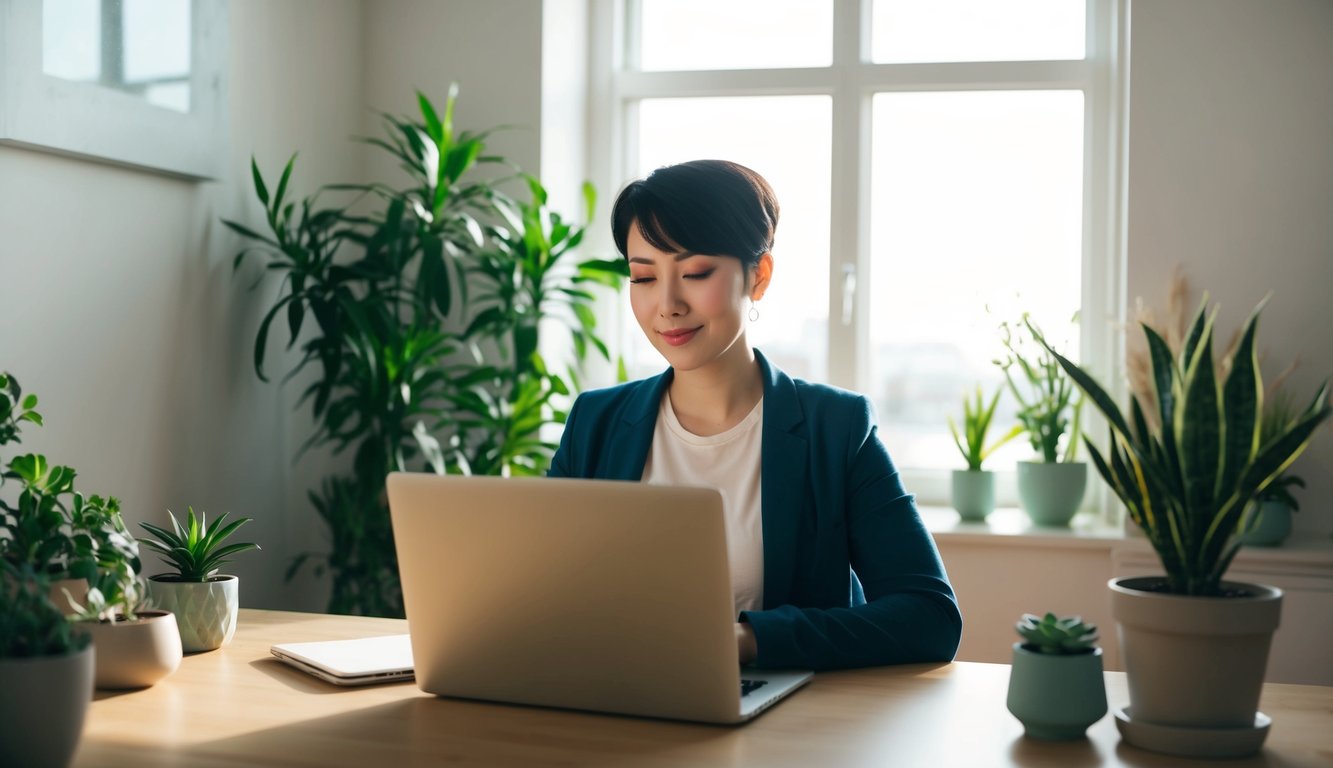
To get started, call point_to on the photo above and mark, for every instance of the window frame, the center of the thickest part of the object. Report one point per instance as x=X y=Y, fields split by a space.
x=851 y=81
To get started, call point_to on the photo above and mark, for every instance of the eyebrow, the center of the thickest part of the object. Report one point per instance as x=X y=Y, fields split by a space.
x=683 y=255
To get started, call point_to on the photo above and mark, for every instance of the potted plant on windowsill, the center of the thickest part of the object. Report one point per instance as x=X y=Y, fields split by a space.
x=1195 y=647
x=1056 y=687
x=46 y=674
x=204 y=602
x=1268 y=523
x=1051 y=487
x=973 y=489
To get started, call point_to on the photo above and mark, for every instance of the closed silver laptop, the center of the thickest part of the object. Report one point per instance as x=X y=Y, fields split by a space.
x=583 y=594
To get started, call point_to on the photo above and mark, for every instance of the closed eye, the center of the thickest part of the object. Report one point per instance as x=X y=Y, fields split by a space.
x=700 y=275
x=638 y=280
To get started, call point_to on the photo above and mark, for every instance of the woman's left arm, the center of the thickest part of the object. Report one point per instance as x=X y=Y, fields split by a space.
x=910 y=614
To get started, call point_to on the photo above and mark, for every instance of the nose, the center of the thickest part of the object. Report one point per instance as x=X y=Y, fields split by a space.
x=670 y=303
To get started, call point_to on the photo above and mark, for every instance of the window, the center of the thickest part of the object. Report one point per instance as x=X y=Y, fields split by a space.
x=942 y=166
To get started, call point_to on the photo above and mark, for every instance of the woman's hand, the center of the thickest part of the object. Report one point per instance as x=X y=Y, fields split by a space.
x=745 y=642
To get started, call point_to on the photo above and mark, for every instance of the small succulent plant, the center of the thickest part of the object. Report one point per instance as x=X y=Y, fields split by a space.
x=196 y=548
x=1056 y=635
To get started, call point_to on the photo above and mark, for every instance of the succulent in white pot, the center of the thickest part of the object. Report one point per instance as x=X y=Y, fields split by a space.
x=204 y=602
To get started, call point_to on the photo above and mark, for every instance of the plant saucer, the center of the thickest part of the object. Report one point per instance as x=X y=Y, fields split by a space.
x=1192 y=742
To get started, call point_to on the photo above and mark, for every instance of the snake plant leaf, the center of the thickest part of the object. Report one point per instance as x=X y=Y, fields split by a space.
x=1198 y=325
x=1094 y=390
x=1198 y=432
x=1242 y=398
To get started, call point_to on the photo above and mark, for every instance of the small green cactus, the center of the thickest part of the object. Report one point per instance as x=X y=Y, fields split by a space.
x=1055 y=635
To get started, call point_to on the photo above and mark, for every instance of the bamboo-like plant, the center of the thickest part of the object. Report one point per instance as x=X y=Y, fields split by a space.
x=1046 y=399
x=1188 y=482
x=977 y=417
x=427 y=302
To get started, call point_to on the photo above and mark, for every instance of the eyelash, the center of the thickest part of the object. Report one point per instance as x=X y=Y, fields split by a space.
x=697 y=276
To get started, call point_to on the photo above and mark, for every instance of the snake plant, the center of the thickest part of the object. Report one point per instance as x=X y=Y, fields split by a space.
x=1188 y=479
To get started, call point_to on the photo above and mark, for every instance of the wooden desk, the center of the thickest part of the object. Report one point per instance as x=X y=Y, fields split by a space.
x=239 y=707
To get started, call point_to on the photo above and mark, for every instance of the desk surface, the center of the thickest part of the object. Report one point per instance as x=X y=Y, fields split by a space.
x=238 y=707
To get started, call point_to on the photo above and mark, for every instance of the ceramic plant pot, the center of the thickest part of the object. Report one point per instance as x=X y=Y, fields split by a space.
x=43 y=702
x=1051 y=493
x=205 y=610
x=1195 y=665
x=1056 y=696
x=136 y=654
x=973 y=493
x=1273 y=526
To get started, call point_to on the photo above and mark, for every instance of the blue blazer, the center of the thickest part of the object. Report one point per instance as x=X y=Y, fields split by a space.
x=851 y=576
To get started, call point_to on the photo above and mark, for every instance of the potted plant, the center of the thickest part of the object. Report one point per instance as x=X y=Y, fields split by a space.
x=973 y=489
x=136 y=646
x=421 y=307
x=1195 y=646
x=1269 y=521
x=1051 y=487
x=46 y=674
x=203 y=601
x=1056 y=688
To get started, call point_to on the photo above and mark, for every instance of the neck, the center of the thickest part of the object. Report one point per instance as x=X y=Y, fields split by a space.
x=717 y=396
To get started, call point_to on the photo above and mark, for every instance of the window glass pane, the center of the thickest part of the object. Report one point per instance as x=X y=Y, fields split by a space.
x=786 y=139
x=977 y=30
x=736 y=34
x=977 y=211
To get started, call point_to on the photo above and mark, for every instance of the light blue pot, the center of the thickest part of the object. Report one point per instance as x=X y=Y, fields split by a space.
x=973 y=493
x=1274 y=525
x=1056 y=697
x=1051 y=493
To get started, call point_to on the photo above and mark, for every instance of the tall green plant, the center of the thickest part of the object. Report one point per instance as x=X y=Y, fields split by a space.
x=1046 y=397
x=427 y=303
x=1188 y=481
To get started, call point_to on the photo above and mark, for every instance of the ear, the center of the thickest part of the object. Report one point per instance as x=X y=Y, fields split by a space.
x=763 y=273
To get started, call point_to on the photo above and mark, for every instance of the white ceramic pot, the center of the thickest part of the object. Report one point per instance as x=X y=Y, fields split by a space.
x=1195 y=662
x=43 y=702
x=1056 y=696
x=205 y=610
x=135 y=654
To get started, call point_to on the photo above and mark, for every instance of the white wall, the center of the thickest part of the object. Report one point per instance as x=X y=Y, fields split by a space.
x=1231 y=176
x=118 y=304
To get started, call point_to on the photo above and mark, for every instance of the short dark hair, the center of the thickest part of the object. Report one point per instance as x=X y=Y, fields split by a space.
x=710 y=207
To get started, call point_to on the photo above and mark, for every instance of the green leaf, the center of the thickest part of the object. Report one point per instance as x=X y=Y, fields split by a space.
x=589 y=200
x=1198 y=429
x=29 y=402
x=1242 y=399
x=260 y=189
x=434 y=128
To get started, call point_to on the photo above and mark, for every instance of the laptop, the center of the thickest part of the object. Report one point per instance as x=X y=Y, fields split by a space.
x=364 y=661
x=581 y=594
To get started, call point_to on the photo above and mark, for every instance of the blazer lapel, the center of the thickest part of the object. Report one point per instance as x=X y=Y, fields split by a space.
x=784 y=467
x=628 y=448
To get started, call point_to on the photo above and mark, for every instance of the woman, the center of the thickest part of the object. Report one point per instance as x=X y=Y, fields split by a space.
x=831 y=565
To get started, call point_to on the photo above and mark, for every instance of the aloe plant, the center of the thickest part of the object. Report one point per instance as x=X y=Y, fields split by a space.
x=1188 y=480
x=977 y=417
x=1057 y=636
x=196 y=548
x=1046 y=399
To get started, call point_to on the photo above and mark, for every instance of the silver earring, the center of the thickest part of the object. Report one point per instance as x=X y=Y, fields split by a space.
x=754 y=312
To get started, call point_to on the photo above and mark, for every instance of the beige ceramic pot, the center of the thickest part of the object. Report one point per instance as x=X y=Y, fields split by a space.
x=205 y=610
x=1195 y=662
x=43 y=702
x=136 y=654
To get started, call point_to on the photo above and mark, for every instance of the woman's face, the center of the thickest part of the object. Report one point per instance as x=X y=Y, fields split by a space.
x=692 y=307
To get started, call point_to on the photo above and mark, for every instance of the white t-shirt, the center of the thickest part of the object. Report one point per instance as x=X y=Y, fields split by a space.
x=729 y=462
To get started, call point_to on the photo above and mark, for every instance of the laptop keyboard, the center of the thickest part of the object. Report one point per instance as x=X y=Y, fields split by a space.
x=750 y=686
